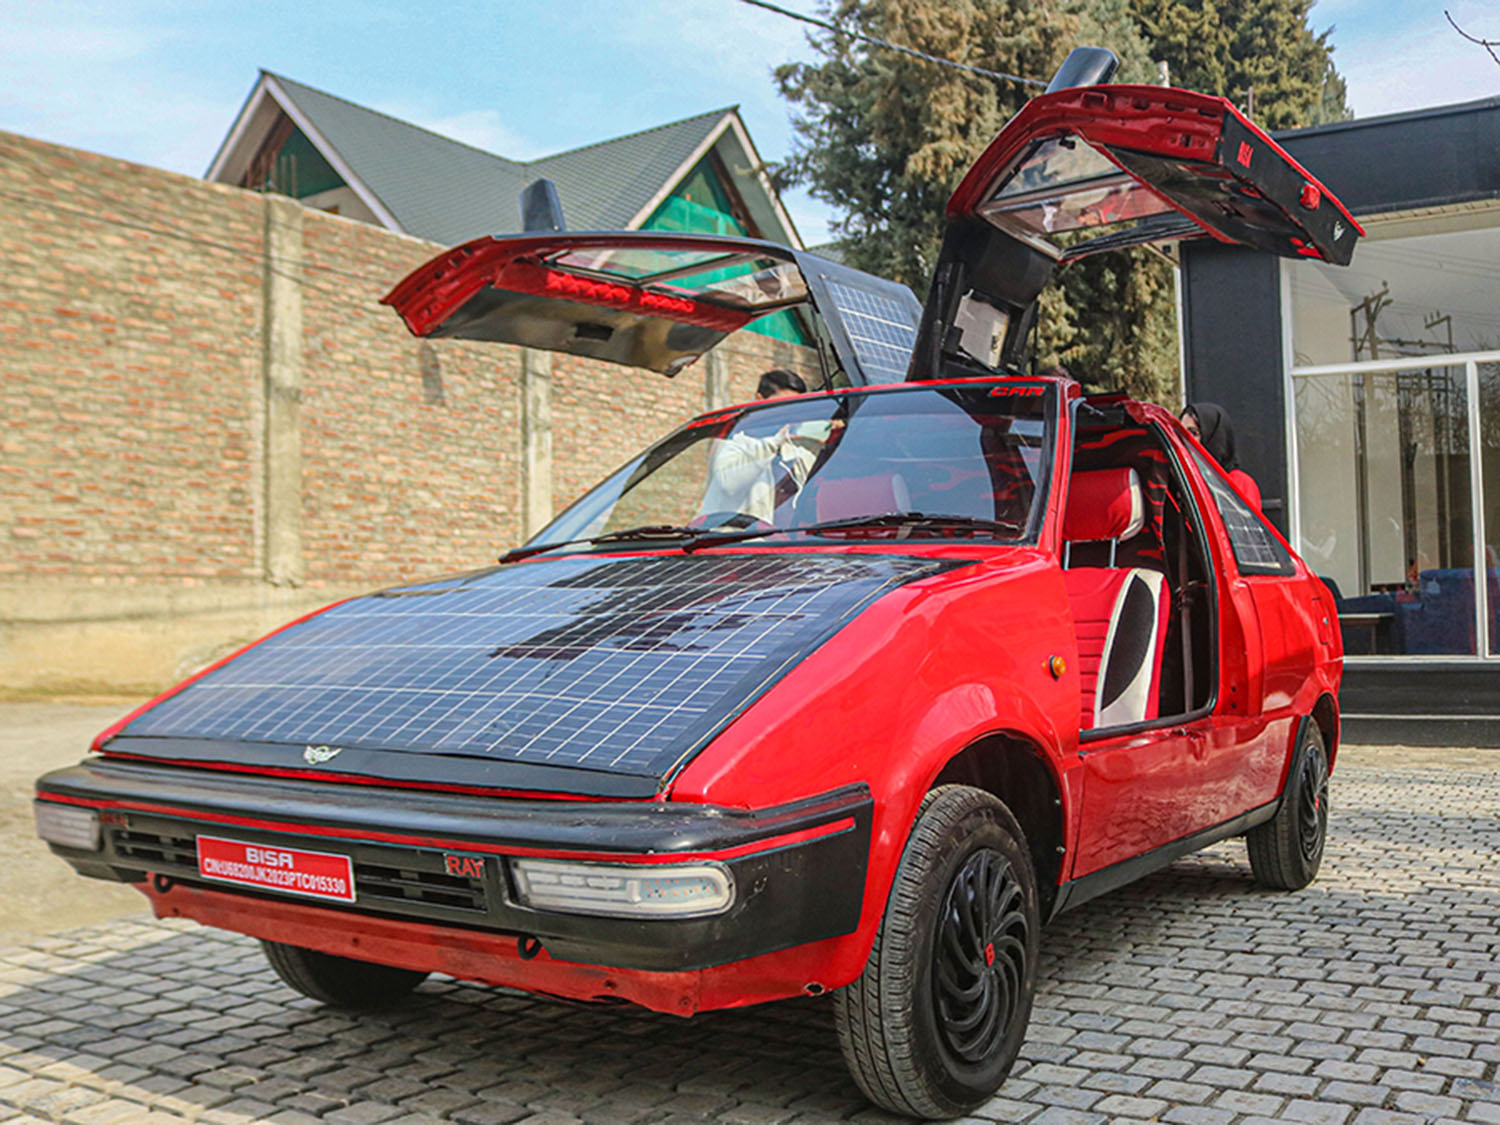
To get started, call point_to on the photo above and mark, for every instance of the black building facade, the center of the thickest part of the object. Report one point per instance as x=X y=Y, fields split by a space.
x=1366 y=403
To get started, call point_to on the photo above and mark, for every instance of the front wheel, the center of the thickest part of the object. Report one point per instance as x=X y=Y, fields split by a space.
x=1285 y=852
x=933 y=1025
x=340 y=981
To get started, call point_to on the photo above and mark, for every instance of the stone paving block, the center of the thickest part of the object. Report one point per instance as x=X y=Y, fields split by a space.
x=1056 y=1115
x=1360 y=1093
x=489 y=1113
x=363 y=1113
x=1069 y=1097
x=1317 y=1112
x=1187 y=997
x=1199 y=1115
x=1118 y=1105
x=1388 y=1117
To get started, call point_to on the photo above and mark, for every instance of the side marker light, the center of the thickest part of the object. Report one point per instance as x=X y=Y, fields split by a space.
x=1057 y=666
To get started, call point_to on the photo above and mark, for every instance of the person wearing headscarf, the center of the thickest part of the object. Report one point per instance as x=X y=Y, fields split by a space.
x=1209 y=423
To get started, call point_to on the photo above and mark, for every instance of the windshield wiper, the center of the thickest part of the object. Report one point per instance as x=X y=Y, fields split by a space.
x=908 y=520
x=645 y=531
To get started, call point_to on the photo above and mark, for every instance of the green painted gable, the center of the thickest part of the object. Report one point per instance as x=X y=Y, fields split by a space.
x=701 y=204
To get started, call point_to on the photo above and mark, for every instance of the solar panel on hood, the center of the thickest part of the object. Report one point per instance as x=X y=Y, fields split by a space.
x=622 y=665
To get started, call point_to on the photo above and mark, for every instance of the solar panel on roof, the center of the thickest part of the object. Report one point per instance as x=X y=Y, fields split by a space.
x=621 y=665
x=880 y=329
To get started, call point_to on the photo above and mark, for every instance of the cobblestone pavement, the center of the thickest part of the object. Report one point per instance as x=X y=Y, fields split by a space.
x=1193 y=996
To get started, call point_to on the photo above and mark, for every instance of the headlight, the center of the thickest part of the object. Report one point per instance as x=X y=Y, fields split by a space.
x=684 y=890
x=67 y=825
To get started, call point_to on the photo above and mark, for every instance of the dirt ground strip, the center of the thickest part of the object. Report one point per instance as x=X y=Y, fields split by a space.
x=1192 y=996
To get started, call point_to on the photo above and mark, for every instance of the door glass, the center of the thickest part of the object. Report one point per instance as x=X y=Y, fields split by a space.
x=1386 y=510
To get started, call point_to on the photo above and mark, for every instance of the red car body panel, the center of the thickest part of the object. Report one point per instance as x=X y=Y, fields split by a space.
x=962 y=664
x=966 y=658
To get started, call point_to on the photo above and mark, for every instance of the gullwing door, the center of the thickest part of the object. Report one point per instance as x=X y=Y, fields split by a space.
x=657 y=301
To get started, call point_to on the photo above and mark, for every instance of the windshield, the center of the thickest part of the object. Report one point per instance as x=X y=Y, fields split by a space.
x=969 y=461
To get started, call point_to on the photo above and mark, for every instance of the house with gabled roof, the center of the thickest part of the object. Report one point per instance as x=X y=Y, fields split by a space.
x=699 y=174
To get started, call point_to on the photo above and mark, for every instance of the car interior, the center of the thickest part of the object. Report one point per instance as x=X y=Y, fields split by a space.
x=1138 y=577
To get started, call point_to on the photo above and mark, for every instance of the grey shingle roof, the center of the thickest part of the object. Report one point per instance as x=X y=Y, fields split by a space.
x=449 y=192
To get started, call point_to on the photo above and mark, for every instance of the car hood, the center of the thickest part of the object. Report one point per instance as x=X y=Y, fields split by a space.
x=584 y=675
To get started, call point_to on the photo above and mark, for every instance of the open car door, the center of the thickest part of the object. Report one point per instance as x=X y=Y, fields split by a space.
x=658 y=301
x=1085 y=169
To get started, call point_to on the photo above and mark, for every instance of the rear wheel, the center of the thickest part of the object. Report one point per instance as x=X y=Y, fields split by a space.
x=340 y=981
x=1285 y=852
x=933 y=1025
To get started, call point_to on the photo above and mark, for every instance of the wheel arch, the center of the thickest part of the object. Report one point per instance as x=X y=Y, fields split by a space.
x=1325 y=713
x=1022 y=775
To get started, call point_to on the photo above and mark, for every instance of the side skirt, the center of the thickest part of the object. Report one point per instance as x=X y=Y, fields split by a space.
x=1078 y=891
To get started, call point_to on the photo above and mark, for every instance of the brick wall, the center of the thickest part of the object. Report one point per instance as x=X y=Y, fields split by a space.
x=128 y=361
x=134 y=506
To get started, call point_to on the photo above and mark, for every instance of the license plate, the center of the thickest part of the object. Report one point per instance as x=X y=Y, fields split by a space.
x=274 y=868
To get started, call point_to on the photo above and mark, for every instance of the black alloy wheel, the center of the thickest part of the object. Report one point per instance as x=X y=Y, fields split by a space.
x=1287 y=850
x=934 y=1024
x=1312 y=808
x=979 y=968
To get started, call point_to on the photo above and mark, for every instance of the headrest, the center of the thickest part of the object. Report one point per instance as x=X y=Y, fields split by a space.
x=1104 y=504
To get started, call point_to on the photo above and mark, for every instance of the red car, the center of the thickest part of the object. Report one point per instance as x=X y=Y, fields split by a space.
x=848 y=691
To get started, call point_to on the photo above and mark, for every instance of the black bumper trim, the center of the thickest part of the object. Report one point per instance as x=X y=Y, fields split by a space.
x=806 y=883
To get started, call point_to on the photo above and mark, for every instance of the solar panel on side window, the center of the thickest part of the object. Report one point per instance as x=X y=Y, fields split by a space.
x=614 y=664
x=879 y=328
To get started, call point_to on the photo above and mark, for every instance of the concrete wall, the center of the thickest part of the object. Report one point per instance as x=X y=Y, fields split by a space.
x=211 y=425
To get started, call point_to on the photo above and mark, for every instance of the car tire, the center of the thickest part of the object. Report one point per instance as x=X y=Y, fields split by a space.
x=933 y=1025
x=1286 y=850
x=340 y=981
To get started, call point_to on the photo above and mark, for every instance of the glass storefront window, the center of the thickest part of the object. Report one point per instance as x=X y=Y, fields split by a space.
x=1393 y=373
x=1426 y=295
x=1386 y=506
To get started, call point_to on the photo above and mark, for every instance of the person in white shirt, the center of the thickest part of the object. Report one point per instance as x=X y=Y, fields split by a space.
x=751 y=475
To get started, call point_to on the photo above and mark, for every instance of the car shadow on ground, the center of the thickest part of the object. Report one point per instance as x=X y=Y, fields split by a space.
x=187 y=1019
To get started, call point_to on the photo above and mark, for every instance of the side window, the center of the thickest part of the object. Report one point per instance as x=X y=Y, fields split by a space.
x=1257 y=550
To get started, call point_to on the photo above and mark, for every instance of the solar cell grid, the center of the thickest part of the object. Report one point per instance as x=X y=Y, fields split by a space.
x=615 y=664
x=1256 y=550
x=879 y=329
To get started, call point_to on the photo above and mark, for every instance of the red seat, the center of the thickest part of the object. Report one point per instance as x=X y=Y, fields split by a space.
x=1119 y=613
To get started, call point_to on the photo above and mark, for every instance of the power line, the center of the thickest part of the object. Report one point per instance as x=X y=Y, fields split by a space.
x=889 y=46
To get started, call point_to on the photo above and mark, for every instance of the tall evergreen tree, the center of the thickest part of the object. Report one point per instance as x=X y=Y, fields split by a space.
x=1234 y=47
x=884 y=138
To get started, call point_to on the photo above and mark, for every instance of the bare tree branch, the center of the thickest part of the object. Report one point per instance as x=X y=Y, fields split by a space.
x=1488 y=44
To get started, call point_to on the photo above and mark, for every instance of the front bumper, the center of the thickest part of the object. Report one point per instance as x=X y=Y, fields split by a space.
x=798 y=869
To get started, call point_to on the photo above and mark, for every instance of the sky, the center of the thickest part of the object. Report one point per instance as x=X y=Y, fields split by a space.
x=160 y=83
